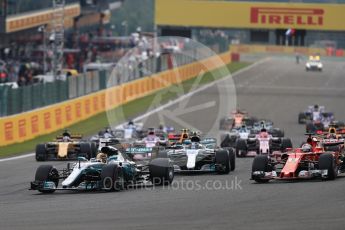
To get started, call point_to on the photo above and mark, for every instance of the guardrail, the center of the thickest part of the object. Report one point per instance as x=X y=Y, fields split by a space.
x=28 y=125
x=243 y=48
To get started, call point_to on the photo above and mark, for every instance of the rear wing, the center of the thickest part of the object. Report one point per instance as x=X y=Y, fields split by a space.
x=332 y=142
x=73 y=137
x=210 y=143
x=206 y=141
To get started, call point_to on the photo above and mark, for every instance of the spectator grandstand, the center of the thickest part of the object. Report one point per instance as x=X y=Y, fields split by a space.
x=26 y=45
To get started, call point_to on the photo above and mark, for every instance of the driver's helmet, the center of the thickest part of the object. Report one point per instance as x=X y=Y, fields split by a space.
x=130 y=122
x=316 y=107
x=243 y=128
x=66 y=138
x=114 y=152
x=66 y=133
x=161 y=127
x=306 y=148
x=151 y=132
x=110 y=151
x=310 y=140
x=263 y=133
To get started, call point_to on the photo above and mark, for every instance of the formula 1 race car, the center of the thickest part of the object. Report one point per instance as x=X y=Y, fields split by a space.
x=261 y=143
x=66 y=147
x=195 y=155
x=129 y=132
x=115 y=173
x=229 y=139
x=314 y=64
x=237 y=119
x=268 y=125
x=307 y=162
x=315 y=113
x=152 y=139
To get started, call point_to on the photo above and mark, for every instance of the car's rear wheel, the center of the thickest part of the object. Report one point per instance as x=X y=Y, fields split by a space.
x=223 y=162
x=301 y=118
x=310 y=128
x=286 y=144
x=86 y=150
x=41 y=152
x=232 y=159
x=241 y=147
x=93 y=149
x=112 y=178
x=161 y=171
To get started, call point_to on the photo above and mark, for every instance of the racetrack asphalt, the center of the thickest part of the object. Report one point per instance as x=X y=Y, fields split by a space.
x=276 y=89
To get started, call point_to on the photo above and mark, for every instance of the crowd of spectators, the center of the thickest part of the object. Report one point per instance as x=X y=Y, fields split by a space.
x=17 y=65
x=21 y=61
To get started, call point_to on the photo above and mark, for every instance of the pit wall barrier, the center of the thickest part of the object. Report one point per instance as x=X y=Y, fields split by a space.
x=278 y=49
x=28 y=125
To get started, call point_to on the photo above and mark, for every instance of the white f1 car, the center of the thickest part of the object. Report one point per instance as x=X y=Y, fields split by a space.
x=200 y=156
x=262 y=143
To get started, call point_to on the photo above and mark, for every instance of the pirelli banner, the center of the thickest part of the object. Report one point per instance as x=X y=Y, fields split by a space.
x=28 y=125
x=250 y=15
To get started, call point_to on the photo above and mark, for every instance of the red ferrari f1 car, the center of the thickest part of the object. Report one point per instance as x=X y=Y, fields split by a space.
x=315 y=159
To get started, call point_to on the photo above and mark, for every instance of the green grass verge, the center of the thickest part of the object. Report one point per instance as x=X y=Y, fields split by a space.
x=129 y=110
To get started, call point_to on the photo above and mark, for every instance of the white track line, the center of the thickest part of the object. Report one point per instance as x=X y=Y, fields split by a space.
x=17 y=157
x=170 y=103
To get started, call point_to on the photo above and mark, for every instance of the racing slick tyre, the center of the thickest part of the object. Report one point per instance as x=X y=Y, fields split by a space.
x=301 y=118
x=223 y=162
x=332 y=148
x=327 y=162
x=225 y=123
x=286 y=144
x=278 y=133
x=260 y=163
x=232 y=159
x=250 y=121
x=156 y=150
x=112 y=178
x=41 y=152
x=161 y=171
x=310 y=128
x=241 y=146
x=162 y=154
x=93 y=150
x=46 y=173
x=228 y=141
x=85 y=148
